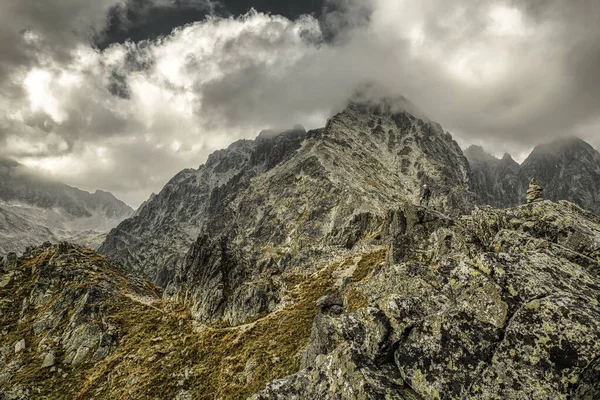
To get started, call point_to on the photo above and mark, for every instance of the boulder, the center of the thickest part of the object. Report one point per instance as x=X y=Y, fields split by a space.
x=11 y=261
x=20 y=346
x=49 y=360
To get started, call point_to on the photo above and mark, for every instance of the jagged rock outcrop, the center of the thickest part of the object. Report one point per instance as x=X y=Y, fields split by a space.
x=155 y=242
x=34 y=209
x=216 y=236
x=55 y=304
x=496 y=182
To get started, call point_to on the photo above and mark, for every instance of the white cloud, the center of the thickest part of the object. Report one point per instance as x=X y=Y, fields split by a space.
x=41 y=97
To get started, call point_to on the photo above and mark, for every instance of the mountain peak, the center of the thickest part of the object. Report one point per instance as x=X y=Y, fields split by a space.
x=562 y=145
x=477 y=153
x=385 y=105
x=507 y=157
x=293 y=189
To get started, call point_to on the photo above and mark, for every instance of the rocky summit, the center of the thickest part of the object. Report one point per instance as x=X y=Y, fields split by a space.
x=298 y=266
x=284 y=200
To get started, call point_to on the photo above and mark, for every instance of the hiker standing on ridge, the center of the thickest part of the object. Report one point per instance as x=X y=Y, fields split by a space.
x=425 y=196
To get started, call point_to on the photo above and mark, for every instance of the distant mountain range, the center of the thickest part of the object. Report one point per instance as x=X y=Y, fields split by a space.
x=34 y=209
x=568 y=169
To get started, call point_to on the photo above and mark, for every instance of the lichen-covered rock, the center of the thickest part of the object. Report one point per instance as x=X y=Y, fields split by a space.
x=49 y=360
x=64 y=294
x=11 y=260
x=20 y=346
x=502 y=304
x=343 y=374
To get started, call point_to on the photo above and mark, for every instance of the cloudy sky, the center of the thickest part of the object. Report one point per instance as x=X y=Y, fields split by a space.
x=122 y=94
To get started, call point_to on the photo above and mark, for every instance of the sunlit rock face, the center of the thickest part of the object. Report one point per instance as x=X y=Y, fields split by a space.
x=501 y=304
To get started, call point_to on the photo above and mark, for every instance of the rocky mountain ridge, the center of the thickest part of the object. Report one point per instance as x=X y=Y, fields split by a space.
x=497 y=182
x=34 y=209
x=283 y=202
x=567 y=168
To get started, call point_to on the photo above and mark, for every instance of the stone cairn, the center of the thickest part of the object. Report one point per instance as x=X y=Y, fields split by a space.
x=534 y=193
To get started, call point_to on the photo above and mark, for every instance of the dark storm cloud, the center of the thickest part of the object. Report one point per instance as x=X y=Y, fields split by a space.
x=139 y=20
x=58 y=25
x=507 y=73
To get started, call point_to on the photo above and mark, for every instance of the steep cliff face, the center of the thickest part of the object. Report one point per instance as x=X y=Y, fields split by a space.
x=34 y=209
x=568 y=169
x=283 y=203
x=496 y=182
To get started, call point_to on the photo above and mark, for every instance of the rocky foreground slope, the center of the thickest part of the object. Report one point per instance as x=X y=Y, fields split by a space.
x=500 y=304
x=34 y=209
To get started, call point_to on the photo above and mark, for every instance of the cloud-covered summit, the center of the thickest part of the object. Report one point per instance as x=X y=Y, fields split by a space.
x=86 y=99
